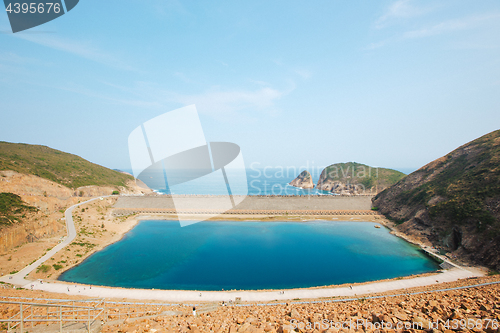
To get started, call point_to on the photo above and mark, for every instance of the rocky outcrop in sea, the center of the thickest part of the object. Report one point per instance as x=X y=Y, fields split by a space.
x=304 y=180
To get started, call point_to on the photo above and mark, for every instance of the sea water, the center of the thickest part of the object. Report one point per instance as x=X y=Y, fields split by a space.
x=259 y=181
x=262 y=181
x=250 y=255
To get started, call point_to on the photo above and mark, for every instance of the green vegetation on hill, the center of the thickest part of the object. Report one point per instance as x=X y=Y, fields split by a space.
x=357 y=173
x=466 y=180
x=456 y=196
x=12 y=208
x=465 y=187
x=63 y=168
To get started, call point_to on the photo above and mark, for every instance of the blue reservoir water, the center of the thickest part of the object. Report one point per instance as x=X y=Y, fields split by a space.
x=250 y=255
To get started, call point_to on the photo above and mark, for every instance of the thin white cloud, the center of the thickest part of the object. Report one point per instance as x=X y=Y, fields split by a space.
x=484 y=44
x=13 y=58
x=218 y=101
x=82 y=49
x=377 y=45
x=449 y=26
x=21 y=67
x=452 y=25
x=303 y=73
x=165 y=7
x=401 y=9
x=183 y=77
x=114 y=100
x=260 y=83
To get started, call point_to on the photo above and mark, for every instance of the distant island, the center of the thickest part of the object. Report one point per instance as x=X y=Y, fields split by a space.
x=350 y=179
x=303 y=180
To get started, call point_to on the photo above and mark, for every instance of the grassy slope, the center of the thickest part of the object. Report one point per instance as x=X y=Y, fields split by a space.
x=63 y=168
x=460 y=191
x=465 y=181
x=361 y=174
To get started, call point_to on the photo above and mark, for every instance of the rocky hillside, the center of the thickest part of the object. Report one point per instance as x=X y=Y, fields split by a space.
x=12 y=208
x=304 y=180
x=66 y=169
x=355 y=178
x=50 y=181
x=453 y=202
x=21 y=222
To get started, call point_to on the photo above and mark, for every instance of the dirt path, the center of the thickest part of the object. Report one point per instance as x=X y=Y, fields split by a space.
x=19 y=278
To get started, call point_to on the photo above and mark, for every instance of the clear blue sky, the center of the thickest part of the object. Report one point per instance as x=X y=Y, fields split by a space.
x=386 y=83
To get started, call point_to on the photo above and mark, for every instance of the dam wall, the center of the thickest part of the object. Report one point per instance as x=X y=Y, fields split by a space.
x=299 y=205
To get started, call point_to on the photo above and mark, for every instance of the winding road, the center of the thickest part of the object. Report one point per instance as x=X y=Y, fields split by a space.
x=18 y=278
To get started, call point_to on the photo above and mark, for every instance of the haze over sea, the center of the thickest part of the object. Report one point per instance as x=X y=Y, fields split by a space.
x=260 y=181
x=250 y=255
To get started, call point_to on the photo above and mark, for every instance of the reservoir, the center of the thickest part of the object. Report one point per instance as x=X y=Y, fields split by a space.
x=250 y=255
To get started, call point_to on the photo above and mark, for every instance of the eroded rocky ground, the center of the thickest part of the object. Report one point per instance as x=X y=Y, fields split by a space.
x=473 y=309
x=467 y=310
x=96 y=228
x=39 y=231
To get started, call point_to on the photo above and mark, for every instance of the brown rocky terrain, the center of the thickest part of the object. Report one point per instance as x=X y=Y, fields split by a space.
x=303 y=180
x=435 y=308
x=439 y=311
x=96 y=228
x=453 y=202
x=51 y=200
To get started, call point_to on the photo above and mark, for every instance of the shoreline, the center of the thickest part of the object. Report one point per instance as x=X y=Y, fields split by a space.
x=257 y=219
x=136 y=219
x=74 y=289
x=424 y=279
x=220 y=218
